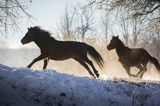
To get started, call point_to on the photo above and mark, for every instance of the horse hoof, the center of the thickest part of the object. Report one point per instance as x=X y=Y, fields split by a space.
x=28 y=66
x=93 y=76
x=97 y=75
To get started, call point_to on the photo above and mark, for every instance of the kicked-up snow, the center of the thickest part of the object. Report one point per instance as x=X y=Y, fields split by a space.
x=26 y=87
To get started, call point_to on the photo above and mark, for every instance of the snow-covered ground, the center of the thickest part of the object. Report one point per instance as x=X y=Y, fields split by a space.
x=26 y=87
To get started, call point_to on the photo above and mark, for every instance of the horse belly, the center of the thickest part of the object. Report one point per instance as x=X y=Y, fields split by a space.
x=130 y=61
x=63 y=51
x=60 y=56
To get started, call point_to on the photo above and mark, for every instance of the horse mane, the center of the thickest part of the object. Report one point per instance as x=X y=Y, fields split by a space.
x=42 y=33
x=119 y=41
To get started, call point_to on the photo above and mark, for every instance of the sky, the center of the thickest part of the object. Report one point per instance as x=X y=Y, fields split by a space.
x=45 y=13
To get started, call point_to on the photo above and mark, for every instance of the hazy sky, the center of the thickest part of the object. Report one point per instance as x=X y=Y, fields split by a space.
x=46 y=13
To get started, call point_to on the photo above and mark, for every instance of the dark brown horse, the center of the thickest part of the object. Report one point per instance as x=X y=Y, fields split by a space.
x=61 y=50
x=128 y=57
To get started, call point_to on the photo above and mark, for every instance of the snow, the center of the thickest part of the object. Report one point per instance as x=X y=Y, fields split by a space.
x=27 y=87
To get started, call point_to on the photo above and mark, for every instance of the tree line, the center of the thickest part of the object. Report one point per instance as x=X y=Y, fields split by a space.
x=137 y=22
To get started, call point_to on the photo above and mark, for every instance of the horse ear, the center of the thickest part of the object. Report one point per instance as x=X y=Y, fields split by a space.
x=29 y=28
x=117 y=36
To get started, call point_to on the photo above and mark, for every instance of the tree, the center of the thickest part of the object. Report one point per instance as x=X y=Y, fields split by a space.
x=155 y=32
x=124 y=26
x=85 y=21
x=137 y=27
x=10 y=12
x=66 y=28
x=150 y=40
x=76 y=23
x=105 y=25
x=144 y=9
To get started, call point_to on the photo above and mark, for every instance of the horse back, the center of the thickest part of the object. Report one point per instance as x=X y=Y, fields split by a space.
x=139 y=52
x=61 y=50
x=134 y=56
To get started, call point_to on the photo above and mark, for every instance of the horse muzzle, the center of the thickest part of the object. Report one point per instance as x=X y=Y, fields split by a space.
x=23 y=41
x=109 y=47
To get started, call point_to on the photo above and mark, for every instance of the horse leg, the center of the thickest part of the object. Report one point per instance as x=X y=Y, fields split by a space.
x=140 y=68
x=36 y=59
x=84 y=65
x=128 y=71
x=91 y=64
x=144 y=69
x=45 y=63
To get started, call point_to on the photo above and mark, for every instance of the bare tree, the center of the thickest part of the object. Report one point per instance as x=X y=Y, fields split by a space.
x=156 y=39
x=136 y=30
x=137 y=7
x=76 y=23
x=150 y=39
x=66 y=26
x=130 y=28
x=10 y=12
x=85 y=21
x=144 y=9
x=124 y=23
x=105 y=25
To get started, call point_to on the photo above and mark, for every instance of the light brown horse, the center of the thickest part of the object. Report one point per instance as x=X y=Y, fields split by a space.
x=61 y=50
x=137 y=57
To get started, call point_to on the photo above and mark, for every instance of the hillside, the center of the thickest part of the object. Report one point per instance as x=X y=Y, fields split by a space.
x=26 y=87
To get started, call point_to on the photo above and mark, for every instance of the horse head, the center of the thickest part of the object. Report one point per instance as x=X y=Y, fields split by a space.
x=29 y=36
x=114 y=43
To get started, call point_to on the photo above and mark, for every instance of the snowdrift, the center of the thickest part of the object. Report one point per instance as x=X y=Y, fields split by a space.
x=26 y=87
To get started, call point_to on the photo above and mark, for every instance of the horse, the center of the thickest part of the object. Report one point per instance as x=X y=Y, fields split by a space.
x=61 y=50
x=132 y=57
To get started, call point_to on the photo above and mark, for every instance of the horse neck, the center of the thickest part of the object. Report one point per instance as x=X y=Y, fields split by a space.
x=42 y=43
x=121 y=50
x=39 y=43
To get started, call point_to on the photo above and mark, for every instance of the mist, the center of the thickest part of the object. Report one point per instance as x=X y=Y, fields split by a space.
x=112 y=67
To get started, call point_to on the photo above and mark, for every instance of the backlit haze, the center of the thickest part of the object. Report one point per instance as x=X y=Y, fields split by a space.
x=47 y=14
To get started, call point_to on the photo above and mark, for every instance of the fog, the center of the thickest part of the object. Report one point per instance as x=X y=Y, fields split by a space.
x=112 y=67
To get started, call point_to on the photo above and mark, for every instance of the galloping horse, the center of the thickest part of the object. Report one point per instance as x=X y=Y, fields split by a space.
x=61 y=50
x=128 y=57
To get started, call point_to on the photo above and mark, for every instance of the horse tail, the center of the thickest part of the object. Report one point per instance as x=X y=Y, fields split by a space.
x=155 y=62
x=95 y=55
